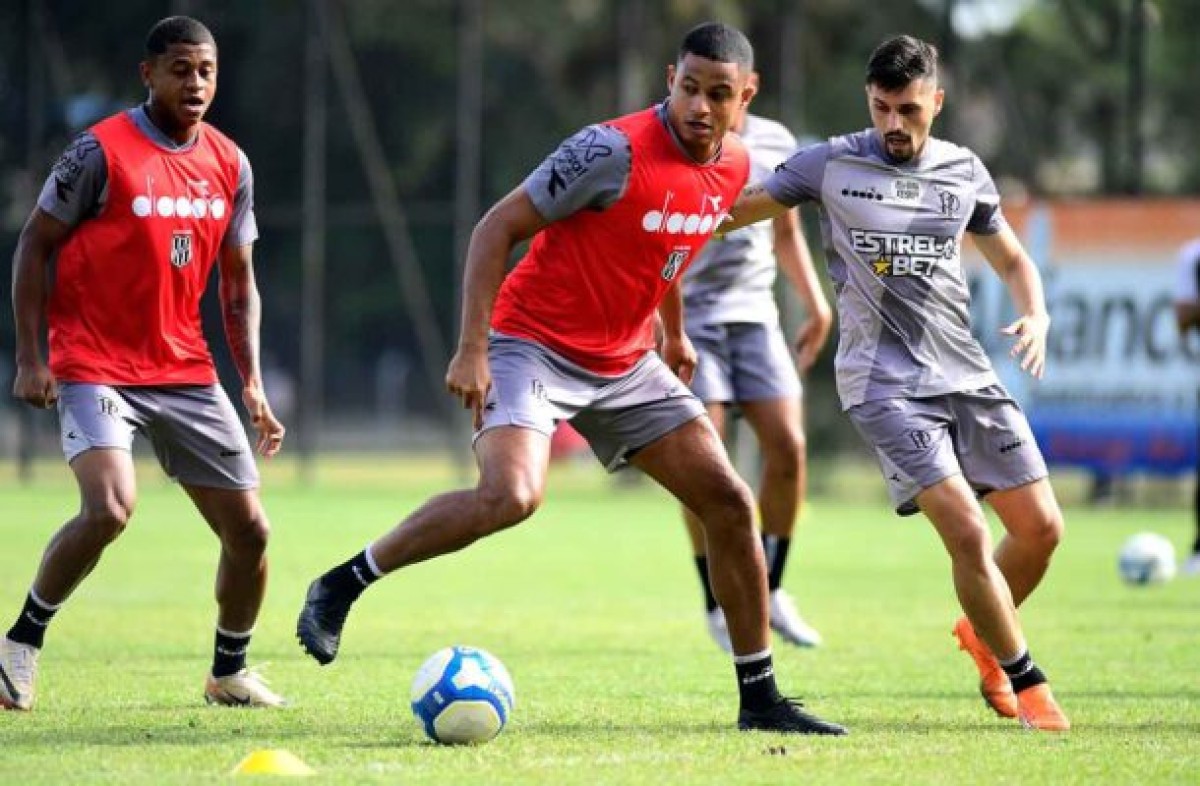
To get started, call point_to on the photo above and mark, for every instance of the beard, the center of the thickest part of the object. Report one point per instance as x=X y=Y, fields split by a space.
x=899 y=148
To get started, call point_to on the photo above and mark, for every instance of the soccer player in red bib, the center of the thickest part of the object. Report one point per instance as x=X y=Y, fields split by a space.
x=138 y=210
x=616 y=215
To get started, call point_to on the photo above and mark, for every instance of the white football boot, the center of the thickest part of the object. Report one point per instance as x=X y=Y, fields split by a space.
x=787 y=622
x=245 y=688
x=18 y=672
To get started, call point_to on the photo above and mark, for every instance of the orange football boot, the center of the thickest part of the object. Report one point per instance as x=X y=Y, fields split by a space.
x=993 y=682
x=1039 y=710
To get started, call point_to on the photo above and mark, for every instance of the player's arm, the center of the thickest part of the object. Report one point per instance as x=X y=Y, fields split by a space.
x=1187 y=290
x=40 y=237
x=1008 y=258
x=587 y=171
x=794 y=181
x=754 y=204
x=794 y=259
x=73 y=192
x=511 y=221
x=1187 y=317
x=674 y=346
x=241 y=314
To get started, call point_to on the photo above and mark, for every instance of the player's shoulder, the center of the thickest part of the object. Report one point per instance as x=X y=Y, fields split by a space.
x=856 y=144
x=942 y=153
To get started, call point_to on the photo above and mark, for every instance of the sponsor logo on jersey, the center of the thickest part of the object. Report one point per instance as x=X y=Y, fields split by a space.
x=906 y=189
x=675 y=261
x=181 y=247
x=869 y=192
x=903 y=253
x=69 y=166
x=673 y=221
x=570 y=161
x=948 y=203
x=196 y=204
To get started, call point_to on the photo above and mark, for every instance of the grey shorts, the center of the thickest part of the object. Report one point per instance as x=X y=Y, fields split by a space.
x=536 y=388
x=194 y=429
x=981 y=434
x=743 y=361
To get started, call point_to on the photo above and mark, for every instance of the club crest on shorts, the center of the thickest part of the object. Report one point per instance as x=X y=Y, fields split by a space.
x=675 y=261
x=181 y=247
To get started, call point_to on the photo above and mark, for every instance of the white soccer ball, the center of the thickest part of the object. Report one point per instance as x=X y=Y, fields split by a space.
x=1147 y=558
x=462 y=695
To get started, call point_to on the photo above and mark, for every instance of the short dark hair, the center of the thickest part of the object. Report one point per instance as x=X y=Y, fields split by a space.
x=720 y=42
x=901 y=60
x=177 y=30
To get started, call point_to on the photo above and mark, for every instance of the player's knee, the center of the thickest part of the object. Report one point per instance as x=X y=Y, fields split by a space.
x=1048 y=532
x=250 y=535
x=727 y=507
x=783 y=454
x=106 y=519
x=508 y=505
x=969 y=542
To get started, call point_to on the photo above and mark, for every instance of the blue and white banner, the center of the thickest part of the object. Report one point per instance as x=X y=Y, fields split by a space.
x=1120 y=391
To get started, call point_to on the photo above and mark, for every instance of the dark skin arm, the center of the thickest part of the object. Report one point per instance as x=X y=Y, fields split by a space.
x=511 y=221
x=1187 y=317
x=241 y=312
x=674 y=346
x=40 y=238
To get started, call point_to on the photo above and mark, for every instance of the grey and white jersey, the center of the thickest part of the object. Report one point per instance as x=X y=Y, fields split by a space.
x=893 y=241
x=77 y=187
x=733 y=279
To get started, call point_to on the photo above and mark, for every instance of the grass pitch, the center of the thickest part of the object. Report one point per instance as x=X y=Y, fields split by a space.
x=594 y=607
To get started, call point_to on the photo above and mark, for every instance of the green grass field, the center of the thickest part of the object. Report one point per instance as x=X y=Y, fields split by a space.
x=594 y=607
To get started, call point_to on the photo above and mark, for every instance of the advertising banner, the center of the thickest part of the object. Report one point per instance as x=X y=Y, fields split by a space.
x=1121 y=386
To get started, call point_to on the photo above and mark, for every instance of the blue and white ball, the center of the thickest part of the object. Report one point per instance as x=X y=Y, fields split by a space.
x=1147 y=558
x=462 y=695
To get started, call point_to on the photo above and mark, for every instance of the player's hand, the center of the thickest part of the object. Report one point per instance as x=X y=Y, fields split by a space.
x=470 y=378
x=810 y=339
x=1030 y=345
x=270 y=430
x=35 y=385
x=680 y=356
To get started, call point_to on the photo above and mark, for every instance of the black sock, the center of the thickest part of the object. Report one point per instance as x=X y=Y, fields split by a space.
x=756 y=682
x=710 y=602
x=775 y=549
x=1196 y=514
x=352 y=576
x=30 y=627
x=1023 y=672
x=229 y=653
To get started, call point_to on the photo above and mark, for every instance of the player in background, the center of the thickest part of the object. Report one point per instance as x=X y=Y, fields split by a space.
x=138 y=209
x=1187 y=319
x=895 y=203
x=745 y=362
x=615 y=214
